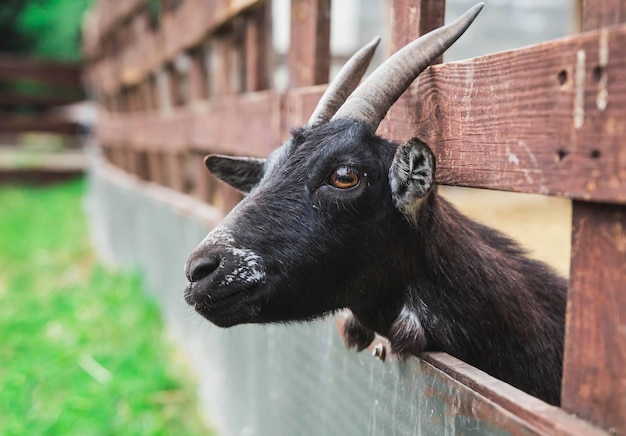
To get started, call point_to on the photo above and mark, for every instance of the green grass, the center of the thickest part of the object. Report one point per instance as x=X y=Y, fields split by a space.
x=83 y=351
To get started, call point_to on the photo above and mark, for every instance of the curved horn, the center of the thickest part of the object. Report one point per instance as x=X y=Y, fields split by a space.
x=344 y=83
x=371 y=101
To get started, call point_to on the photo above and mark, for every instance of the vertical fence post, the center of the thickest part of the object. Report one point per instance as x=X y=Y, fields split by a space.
x=409 y=20
x=258 y=33
x=594 y=373
x=308 y=59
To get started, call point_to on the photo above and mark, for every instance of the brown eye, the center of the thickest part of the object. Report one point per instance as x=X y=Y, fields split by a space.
x=344 y=177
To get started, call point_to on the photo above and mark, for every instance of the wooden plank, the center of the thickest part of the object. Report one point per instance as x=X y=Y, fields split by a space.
x=297 y=106
x=594 y=373
x=410 y=20
x=512 y=129
x=153 y=49
x=14 y=67
x=112 y=13
x=537 y=415
x=594 y=366
x=257 y=47
x=208 y=127
x=308 y=59
x=156 y=170
x=175 y=171
x=223 y=67
x=39 y=101
x=46 y=123
x=217 y=126
x=197 y=78
x=203 y=183
x=602 y=13
x=556 y=128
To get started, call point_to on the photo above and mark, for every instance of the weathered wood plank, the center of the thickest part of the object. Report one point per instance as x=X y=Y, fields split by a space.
x=546 y=119
x=594 y=373
x=248 y=124
x=13 y=67
x=46 y=123
x=208 y=127
x=257 y=47
x=150 y=50
x=39 y=101
x=107 y=15
x=197 y=77
x=410 y=20
x=602 y=13
x=146 y=130
x=594 y=366
x=308 y=59
x=539 y=416
x=492 y=121
x=297 y=106
x=224 y=68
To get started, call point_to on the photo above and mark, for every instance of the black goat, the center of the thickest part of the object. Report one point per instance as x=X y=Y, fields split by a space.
x=340 y=218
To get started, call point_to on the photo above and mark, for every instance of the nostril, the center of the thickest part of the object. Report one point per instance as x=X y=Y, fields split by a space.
x=202 y=267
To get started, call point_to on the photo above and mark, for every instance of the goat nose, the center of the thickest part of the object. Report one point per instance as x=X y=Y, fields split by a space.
x=202 y=267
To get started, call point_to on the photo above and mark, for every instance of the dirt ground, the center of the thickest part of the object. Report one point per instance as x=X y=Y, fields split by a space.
x=541 y=224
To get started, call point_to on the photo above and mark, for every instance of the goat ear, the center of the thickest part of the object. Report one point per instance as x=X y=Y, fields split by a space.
x=242 y=173
x=411 y=175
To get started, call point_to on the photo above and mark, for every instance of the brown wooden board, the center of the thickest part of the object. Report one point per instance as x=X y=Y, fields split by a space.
x=240 y=124
x=409 y=21
x=257 y=47
x=594 y=381
x=39 y=101
x=38 y=123
x=602 y=13
x=13 y=67
x=308 y=59
x=149 y=50
x=545 y=119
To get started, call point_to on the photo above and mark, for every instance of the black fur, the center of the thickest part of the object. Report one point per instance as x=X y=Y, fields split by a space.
x=434 y=280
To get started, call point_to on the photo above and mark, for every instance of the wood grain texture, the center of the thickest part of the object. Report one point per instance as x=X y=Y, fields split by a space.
x=594 y=367
x=308 y=59
x=258 y=47
x=410 y=20
x=594 y=380
x=545 y=119
x=45 y=123
x=149 y=50
x=14 y=67
x=602 y=13
x=208 y=127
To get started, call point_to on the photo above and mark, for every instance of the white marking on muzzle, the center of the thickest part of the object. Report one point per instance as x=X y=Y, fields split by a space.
x=250 y=270
x=250 y=267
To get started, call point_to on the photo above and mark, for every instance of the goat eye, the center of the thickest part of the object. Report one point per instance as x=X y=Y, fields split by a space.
x=345 y=177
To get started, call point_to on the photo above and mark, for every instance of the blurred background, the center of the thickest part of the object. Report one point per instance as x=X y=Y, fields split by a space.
x=83 y=350
x=97 y=341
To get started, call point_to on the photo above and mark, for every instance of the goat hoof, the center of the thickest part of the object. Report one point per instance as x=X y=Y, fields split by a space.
x=380 y=352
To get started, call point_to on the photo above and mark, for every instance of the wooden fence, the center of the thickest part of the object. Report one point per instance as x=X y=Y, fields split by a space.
x=178 y=79
x=37 y=96
x=30 y=88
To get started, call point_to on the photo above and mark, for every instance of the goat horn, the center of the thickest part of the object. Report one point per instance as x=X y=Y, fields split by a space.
x=371 y=101
x=344 y=83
